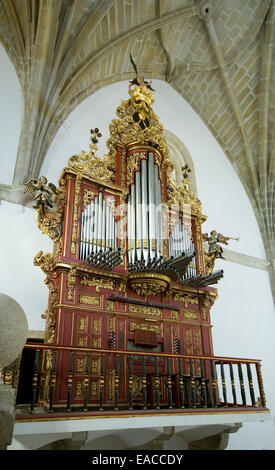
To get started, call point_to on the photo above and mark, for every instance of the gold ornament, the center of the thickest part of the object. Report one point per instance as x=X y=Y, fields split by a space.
x=149 y=284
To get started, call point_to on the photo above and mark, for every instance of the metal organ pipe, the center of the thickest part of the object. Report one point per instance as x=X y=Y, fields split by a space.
x=138 y=216
x=95 y=225
x=92 y=226
x=158 y=212
x=107 y=236
x=144 y=209
x=151 y=202
x=98 y=229
x=103 y=234
x=99 y=222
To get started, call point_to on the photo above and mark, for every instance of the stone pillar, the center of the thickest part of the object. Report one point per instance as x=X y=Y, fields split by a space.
x=14 y=330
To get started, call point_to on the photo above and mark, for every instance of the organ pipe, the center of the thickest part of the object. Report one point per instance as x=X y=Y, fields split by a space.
x=151 y=204
x=144 y=201
x=138 y=217
x=98 y=230
x=98 y=242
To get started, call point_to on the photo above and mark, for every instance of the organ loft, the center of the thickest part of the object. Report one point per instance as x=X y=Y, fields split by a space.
x=129 y=280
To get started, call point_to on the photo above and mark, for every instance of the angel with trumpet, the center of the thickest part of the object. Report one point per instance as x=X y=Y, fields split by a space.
x=213 y=241
x=45 y=192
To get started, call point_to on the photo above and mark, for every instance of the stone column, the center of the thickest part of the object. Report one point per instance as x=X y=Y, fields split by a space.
x=14 y=330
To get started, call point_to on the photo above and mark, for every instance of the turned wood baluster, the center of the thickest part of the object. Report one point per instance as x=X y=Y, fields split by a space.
x=181 y=388
x=157 y=383
x=233 y=384
x=53 y=380
x=214 y=383
x=86 y=383
x=169 y=383
x=193 y=385
x=242 y=383
x=131 y=383
x=70 y=381
x=144 y=383
x=223 y=386
x=261 y=385
x=250 y=381
x=35 y=379
x=203 y=387
x=116 y=381
x=102 y=381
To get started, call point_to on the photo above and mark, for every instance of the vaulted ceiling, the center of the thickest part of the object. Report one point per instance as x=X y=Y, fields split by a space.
x=219 y=55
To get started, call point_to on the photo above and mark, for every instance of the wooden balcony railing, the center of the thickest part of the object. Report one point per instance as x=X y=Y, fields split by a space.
x=145 y=380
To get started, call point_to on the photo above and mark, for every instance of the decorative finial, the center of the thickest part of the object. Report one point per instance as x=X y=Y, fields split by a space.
x=185 y=176
x=95 y=134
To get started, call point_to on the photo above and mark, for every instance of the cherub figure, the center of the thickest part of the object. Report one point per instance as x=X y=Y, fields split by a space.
x=45 y=194
x=213 y=241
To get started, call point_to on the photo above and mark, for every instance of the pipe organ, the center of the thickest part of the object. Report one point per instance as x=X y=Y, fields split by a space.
x=127 y=271
x=98 y=239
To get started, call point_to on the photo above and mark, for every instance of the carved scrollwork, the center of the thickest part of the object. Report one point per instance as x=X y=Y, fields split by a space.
x=49 y=205
x=45 y=261
x=128 y=129
x=91 y=166
x=182 y=196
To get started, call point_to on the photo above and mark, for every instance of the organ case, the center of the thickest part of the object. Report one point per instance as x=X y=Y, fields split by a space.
x=127 y=272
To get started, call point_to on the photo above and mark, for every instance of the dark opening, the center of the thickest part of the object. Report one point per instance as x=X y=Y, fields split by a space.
x=24 y=389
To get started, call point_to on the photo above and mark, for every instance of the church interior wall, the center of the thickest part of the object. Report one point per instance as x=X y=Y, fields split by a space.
x=243 y=315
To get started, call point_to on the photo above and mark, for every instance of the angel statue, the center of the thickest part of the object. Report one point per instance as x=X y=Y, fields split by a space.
x=215 y=250
x=45 y=194
x=142 y=97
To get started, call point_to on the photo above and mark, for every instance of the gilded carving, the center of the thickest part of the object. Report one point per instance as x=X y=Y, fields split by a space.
x=51 y=312
x=94 y=388
x=137 y=388
x=175 y=314
x=142 y=326
x=111 y=384
x=48 y=220
x=129 y=127
x=111 y=323
x=80 y=365
x=89 y=300
x=88 y=196
x=188 y=336
x=149 y=284
x=156 y=312
x=83 y=323
x=82 y=341
x=98 y=283
x=183 y=197
x=90 y=166
x=71 y=282
x=110 y=305
x=95 y=366
x=132 y=164
x=75 y=213
x=197 y=336
x=191 y=315
x=207 y=303
x=96 y=342
x=97 y=325
x=45 y=261
x=79 y=389
x=186 y=299
x=122 y=285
